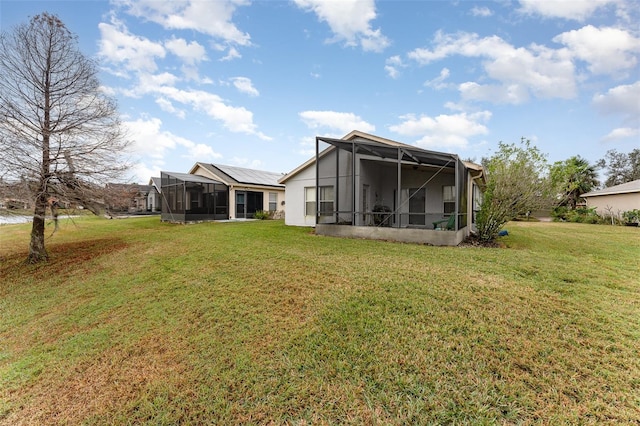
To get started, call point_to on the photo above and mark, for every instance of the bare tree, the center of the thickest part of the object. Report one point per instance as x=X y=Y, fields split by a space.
x=59 y=131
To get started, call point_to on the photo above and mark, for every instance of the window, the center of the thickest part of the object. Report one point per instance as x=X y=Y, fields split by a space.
x=477 y=201
x=449 y=199
x=273 y=201
x=325 y=199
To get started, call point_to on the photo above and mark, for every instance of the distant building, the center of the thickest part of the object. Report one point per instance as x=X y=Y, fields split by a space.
x=220 y=192
x=616 y=199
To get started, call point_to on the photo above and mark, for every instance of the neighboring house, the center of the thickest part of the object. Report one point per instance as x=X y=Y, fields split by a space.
x=383 y=189
x=153 y=197
x=126 y=197
x=616 y=199
x=218 y=192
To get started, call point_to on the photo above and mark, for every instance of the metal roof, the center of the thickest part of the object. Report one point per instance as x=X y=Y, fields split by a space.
x=633 y=186
x=249 y=176
x=186 y=177
x=384 y=150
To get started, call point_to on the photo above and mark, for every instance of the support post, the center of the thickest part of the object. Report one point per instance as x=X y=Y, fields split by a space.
x=397 y=213
x=457 y=191
x=353 y=183
x=317 y=178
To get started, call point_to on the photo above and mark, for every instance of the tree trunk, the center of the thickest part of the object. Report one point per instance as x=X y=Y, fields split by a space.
x=37 y=251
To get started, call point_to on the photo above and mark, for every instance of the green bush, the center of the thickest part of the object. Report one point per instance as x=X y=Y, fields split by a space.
x=578 y=215
x=262 y=215
x=631 y=216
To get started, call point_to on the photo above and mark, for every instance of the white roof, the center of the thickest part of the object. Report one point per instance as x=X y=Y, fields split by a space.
x=623 y=188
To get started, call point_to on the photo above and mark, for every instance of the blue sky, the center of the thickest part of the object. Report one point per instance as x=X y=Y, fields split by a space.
x=251 y=83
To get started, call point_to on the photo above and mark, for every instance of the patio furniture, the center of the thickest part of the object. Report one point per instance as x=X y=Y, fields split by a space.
x=451 y=221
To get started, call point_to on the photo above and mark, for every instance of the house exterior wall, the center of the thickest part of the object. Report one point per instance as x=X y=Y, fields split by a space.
x=614 y=203
x=295 y=193
x=153 y=200
x=233 y=189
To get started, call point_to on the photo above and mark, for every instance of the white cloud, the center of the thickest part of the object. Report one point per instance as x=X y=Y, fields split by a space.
x=439 y=82
x=607 y=50
x=235 y=119
x=621 y=133
x=245 y=162
x=189 y=52
x=578 y=10
x=208 y=17
x=167 y=106
x=500 y=94
x=244 y=85
x=350 y=21
x=155 y=144
x=201 y=152
x=444 y=131
x=621 y=100
x=118 y=46
x=481 y=11
x=231 y=55
x=624 y=99
x=538 y=70
x=343 y=122
x=392 y=66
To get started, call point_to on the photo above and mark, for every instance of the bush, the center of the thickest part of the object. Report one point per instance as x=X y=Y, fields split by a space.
x=578 y=215
x=631 y=216
x=262 y=215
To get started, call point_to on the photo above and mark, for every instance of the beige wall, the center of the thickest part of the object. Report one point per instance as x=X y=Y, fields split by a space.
x=615 y=203
x=265 y=197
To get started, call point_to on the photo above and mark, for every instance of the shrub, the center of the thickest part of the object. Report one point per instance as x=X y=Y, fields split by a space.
x=631 y=216
x=262 y=215
x=578 y=215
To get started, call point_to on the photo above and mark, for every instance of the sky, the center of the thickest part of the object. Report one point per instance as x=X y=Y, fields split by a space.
x=252 y=83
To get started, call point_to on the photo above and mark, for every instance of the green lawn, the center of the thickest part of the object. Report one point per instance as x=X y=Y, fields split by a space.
x=135 y=321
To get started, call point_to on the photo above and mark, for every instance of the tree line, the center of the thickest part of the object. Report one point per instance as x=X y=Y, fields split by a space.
x=519 y=180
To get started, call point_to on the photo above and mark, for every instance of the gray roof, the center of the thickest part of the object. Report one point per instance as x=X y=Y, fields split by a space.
x=247 y=176
x=156 y=182
x=186 y=177
x=623 y=188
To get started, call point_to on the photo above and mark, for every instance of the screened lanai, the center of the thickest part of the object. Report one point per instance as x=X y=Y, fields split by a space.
x=371 y=185
x=192 y=198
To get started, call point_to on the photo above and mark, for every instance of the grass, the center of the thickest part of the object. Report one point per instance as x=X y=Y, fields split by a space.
x=135 y=321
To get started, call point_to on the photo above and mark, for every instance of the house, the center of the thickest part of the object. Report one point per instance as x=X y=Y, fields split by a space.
x=366 y=186
x=126 y=197
x=616 y=199
x=220 y=192
x=153 y=197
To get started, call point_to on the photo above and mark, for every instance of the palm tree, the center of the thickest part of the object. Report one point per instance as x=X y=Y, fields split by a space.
x=573 y=177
